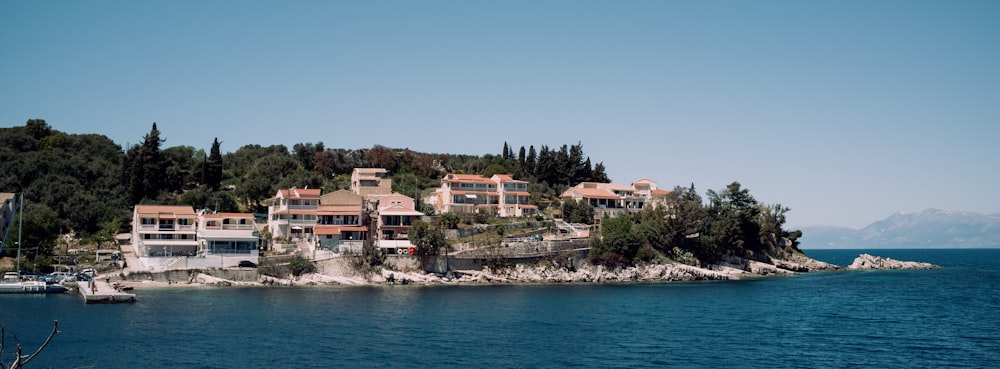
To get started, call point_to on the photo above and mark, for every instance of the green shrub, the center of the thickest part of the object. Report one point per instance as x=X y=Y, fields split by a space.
x=300 y=266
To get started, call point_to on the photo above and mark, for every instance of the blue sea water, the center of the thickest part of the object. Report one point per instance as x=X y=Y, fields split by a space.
x=885 y=319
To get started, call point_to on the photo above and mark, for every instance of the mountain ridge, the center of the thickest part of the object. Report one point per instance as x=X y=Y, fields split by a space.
x=930 y=228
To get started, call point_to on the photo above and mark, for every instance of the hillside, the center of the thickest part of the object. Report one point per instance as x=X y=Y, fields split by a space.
x=931 y=228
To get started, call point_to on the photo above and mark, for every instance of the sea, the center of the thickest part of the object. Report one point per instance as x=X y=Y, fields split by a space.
x=942 y=318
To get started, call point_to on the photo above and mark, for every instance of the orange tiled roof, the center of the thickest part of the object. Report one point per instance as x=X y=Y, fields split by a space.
x=659 y=192
x=594 y=193
x=300 y=192
x=165 y=210
x=466 y=178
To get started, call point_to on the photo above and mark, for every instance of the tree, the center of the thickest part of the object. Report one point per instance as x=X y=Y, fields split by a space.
x=599 y=174
x=685 y=217
x=381 y=157
x=732 y=219
x=183 y=166
x=153 y=164
x=144 y=171
x=305 y=153
x=38 y=129
x=213 y=168
x=574 y=211
x=429 y=239
x=530 y=161
x=265 y=176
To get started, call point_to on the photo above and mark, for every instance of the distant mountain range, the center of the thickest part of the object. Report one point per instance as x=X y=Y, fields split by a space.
x=930 y=228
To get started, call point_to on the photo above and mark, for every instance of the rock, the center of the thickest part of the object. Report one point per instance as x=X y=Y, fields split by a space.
x=868 y=262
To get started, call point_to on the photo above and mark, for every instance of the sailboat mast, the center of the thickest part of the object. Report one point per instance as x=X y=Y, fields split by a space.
x=20 y=225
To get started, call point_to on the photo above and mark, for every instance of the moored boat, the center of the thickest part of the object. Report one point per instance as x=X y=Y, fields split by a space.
x=12 y=283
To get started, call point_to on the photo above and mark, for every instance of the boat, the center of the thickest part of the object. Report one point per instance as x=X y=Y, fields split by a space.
x=14 y=282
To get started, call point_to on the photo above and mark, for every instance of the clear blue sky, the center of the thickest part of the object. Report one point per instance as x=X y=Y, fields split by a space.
x=844 y=111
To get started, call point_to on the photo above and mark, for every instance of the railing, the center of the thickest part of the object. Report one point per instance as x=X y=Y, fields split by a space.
x=173 y=227
x=232 y=227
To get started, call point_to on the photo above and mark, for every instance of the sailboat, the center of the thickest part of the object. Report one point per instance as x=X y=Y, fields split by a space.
x=13 y=282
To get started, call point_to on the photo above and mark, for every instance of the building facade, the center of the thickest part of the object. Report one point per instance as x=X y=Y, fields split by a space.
x=612 y=199
x=396 y=215
x=500 y=195
x=371 y=181
x=228 y=235
x=162 y=233
x=292 y=214
x=341 y=222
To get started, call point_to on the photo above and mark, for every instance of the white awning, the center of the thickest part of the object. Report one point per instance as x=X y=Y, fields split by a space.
x=470 y=196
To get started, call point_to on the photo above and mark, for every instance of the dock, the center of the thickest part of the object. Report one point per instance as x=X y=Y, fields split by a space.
x=98 y=291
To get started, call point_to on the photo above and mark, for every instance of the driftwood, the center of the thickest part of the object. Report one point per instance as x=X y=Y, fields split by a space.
x=21 y=360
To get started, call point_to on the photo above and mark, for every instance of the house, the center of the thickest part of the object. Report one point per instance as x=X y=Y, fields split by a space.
x=499 y=195
x=162 y=233
x=396 y=214
x=341 y=224
x=371 y=181
x=292 y=214
x=616 y=199
x=229 y=237
x=513 y=197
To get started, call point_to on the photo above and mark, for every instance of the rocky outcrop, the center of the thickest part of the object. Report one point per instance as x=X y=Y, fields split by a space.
x=866 y=261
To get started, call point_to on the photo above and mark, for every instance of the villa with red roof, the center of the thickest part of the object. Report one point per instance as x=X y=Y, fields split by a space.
x=501 y=195
x=292 y=214
x=161 y=233
x=396 y=214
x=176 y=237
x=616 y=199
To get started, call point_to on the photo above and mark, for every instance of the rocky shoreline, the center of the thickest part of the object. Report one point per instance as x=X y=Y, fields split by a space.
x=869 y=262
x=732 y=268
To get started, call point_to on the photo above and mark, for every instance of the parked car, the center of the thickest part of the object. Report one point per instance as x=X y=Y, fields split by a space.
x=247 y=264
x=90 y=272
x=64 y=277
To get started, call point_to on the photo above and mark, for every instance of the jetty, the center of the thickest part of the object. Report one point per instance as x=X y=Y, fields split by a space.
x=99 y=291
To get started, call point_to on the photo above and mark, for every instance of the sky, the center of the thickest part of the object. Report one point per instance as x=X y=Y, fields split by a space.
x=844 y=111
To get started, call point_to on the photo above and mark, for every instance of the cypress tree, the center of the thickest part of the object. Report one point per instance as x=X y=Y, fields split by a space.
x=213 y=176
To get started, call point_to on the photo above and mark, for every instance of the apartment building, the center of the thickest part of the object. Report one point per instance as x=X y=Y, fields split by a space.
x=499 y=195
x=292 y=214
x=613 y=199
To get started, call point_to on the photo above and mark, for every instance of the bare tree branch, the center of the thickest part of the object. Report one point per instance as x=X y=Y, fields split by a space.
x=18 y=362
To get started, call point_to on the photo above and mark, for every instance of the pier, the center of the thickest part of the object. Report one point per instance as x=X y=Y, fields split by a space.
x=99 y=291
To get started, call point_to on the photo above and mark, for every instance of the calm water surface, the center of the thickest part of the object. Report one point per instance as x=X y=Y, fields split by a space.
x=886 y=319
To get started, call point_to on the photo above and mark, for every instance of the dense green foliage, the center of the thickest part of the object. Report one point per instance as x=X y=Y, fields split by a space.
x=70 y=183
x=574 y=211
x=733 y=223
x=428 y=238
